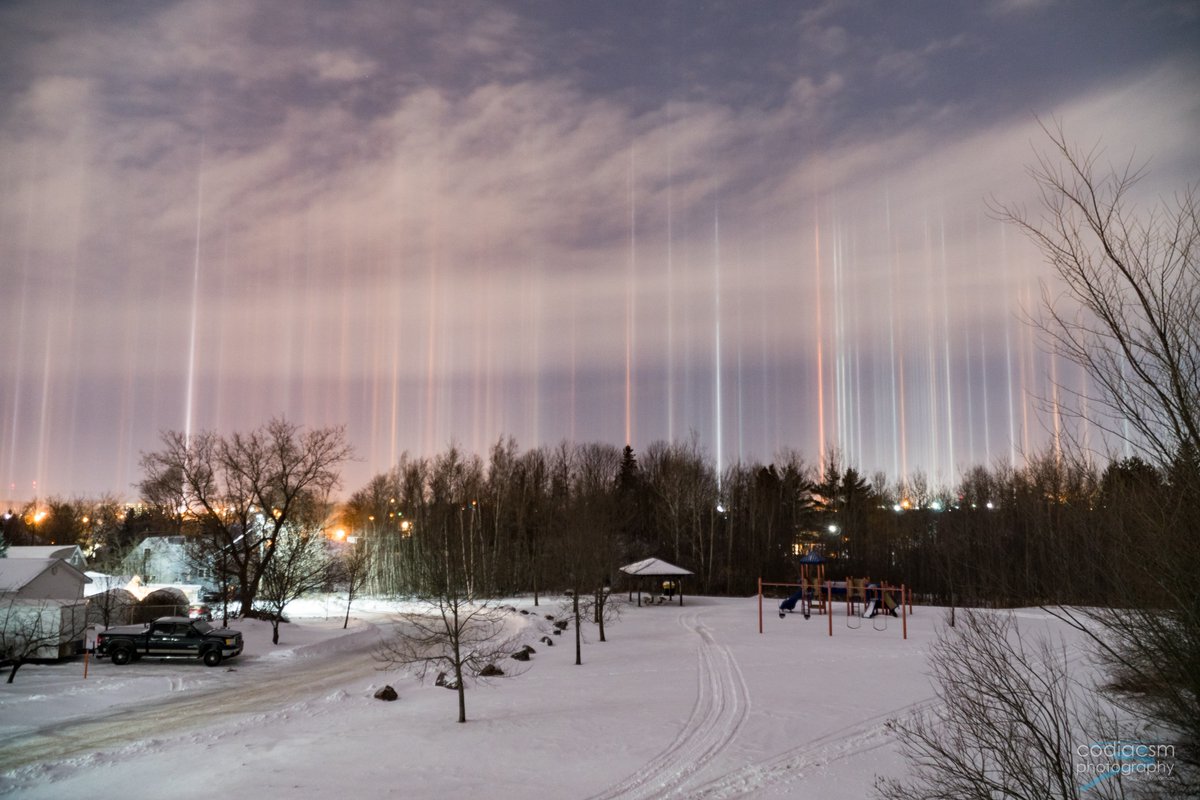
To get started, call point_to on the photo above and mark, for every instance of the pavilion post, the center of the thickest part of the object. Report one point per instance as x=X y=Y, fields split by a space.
x=679 y=583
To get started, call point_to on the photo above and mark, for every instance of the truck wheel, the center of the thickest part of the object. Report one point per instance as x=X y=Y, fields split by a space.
x=212 y=657
x=122 y=656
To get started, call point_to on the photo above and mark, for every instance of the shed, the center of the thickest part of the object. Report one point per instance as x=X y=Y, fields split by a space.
x=656 y=568
x=42 y=610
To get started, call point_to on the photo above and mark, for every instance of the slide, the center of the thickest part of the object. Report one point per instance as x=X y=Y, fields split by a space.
x=790 y=603
x=872 y=607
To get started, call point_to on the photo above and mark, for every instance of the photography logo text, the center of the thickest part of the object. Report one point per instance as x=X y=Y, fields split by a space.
x=1101 y=761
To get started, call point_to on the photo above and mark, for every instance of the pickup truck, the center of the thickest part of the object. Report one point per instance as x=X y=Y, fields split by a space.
x=169 y=637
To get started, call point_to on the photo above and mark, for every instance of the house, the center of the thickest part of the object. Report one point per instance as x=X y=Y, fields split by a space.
x=42 y=608
x=69 y=553
x=165 y=560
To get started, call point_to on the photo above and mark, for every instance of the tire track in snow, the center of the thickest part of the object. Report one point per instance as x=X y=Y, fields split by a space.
x=721 y=707
x=260 y=688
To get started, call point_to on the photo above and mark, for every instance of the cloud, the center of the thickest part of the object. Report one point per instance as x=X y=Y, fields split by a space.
x=1005 y=7
x=910 y=66
x=338 y=67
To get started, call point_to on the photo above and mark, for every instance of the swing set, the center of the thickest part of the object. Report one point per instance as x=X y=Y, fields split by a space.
x=864 y=599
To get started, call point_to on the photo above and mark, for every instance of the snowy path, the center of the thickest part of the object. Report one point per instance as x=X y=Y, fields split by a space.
x=258 y=687
x=720 y=711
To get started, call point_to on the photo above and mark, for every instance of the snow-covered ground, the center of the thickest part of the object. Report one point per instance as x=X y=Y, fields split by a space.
x=680 y=702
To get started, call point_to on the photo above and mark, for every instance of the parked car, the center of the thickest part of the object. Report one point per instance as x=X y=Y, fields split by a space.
x=200 y=611
x=169 y=637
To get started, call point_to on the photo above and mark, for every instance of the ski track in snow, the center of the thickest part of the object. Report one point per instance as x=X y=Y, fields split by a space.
x=721 y=707
x=859 y=737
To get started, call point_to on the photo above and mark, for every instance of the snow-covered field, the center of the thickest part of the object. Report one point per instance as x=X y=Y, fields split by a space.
x=680 y=702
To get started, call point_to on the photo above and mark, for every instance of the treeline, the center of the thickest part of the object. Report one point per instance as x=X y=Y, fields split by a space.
x=568 y=516
x=1052 y=531
x=106 y=529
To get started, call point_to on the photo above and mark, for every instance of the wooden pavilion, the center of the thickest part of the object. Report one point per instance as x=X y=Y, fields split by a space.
x=655 y=569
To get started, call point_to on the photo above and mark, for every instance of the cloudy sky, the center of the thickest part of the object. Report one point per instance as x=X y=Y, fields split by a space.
x=762 y=224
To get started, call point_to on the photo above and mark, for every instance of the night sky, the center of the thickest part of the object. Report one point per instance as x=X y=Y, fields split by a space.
x=761 y=224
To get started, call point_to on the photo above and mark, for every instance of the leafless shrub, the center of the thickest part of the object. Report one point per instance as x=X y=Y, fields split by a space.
x=451 y=633
x=1011 y=722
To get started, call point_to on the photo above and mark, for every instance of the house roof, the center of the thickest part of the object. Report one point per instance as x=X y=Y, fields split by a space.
x=654 y=567
x=64 y=551
x=161 y=543
x=16 y=573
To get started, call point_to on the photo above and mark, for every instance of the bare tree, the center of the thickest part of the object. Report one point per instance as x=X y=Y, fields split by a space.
x=301 y=565
x=1009 y=722
x=604 y=608
x=587 y=541
x=456 y=630
x=450 y=634
x=1130 y=297
x=1128 y=314
x=245 y=489
x=353 y=570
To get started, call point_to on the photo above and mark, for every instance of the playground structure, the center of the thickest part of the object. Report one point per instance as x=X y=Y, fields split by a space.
x=864 y=599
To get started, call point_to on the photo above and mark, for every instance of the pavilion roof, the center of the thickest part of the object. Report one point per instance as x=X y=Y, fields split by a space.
x=654 y=567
